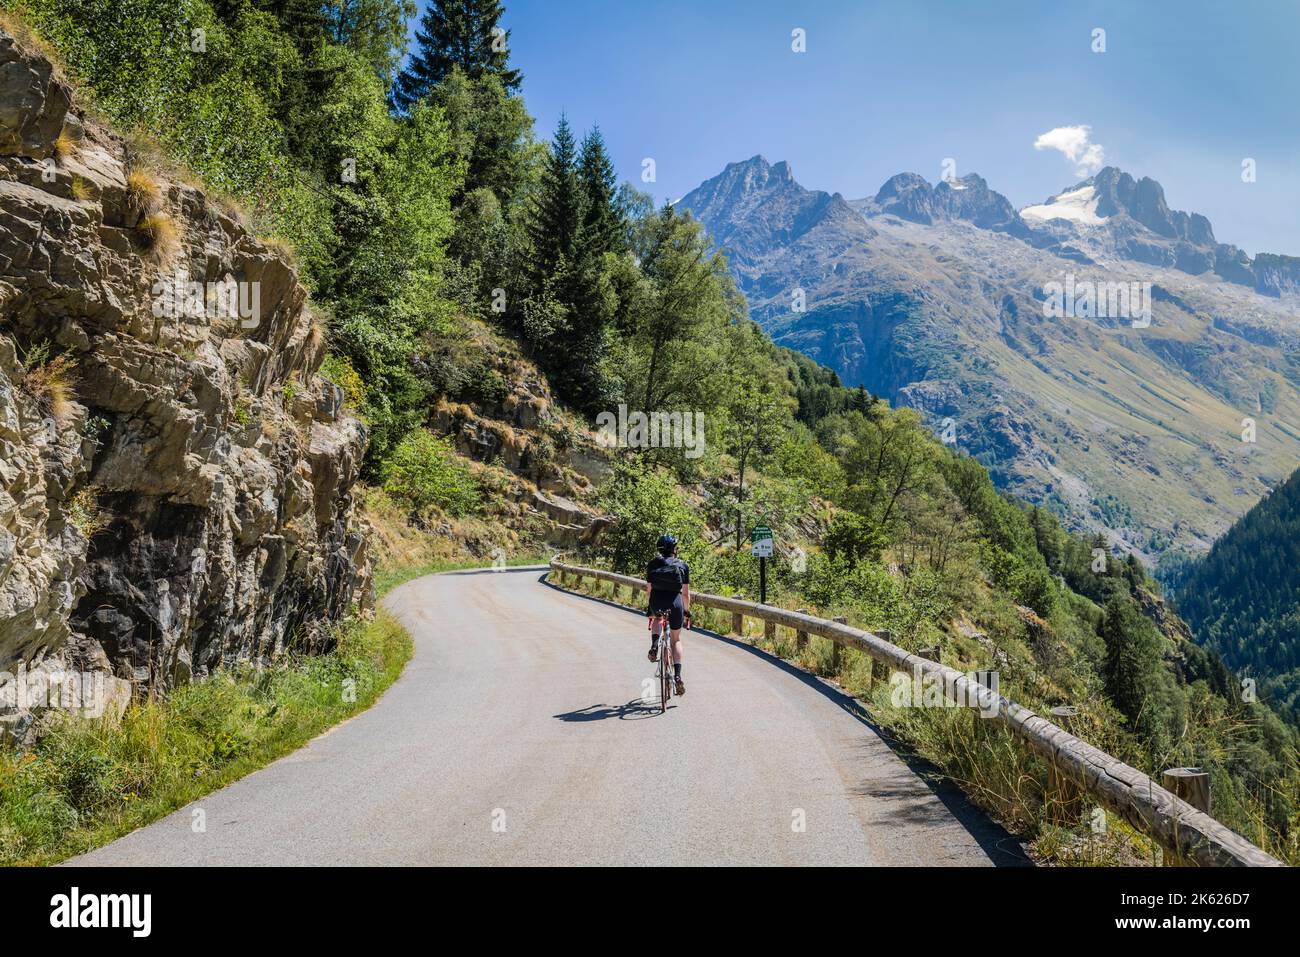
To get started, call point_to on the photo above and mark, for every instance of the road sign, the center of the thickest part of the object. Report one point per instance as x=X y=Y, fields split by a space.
x=760 y=542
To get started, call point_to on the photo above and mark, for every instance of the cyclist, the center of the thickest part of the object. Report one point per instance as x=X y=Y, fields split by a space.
x=668 y=589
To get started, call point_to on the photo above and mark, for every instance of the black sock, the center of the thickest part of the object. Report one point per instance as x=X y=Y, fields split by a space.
x=677 y=670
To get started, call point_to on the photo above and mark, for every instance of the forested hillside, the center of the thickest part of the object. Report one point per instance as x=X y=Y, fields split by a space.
x=470 y=273
x=1243 y=599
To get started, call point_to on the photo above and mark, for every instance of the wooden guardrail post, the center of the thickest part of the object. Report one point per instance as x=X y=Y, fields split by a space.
x=1061 y=791
x=880 y=670
x=801 y=637
x=1190 y=784
x=738 y=624
x=769 y=630
x=1193 y=786
x=837 y=657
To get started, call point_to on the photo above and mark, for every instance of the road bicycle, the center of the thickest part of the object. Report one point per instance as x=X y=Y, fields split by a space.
x=665 y=668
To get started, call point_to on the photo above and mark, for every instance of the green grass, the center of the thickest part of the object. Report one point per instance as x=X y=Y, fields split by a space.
x=88 y=782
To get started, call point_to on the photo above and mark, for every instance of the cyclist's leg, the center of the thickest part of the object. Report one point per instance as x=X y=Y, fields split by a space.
x=655 y=625
x=675 y=619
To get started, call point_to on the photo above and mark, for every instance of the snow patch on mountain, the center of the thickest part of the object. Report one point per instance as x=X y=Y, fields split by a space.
x=1076 y=205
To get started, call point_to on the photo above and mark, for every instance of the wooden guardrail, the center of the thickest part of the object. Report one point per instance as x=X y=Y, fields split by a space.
x=1188 y=834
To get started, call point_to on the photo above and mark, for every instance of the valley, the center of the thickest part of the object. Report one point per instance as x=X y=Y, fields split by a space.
x=938 y=298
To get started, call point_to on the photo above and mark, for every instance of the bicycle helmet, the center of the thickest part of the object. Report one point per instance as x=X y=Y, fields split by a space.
x=666 y=544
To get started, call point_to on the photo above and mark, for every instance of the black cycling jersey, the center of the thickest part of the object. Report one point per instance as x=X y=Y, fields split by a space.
x=666 y=577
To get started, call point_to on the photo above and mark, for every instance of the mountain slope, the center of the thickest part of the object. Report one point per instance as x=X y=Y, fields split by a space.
x=1243 y=599
x=934 y=296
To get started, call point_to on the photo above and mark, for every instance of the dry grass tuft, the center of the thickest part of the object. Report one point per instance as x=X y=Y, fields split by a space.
x=64 y=146
x=143 y=194
x=159 y=236
x=82 y=190
x=49 y=381
x=282 y=247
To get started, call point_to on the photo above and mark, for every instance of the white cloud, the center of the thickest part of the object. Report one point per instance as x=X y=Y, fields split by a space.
x=1075 y=143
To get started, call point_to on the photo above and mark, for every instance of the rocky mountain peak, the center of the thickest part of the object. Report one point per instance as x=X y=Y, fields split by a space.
x=748 y=177
x=764 y=199
x=1144 y=201
x=931 y=297
x=910 y=196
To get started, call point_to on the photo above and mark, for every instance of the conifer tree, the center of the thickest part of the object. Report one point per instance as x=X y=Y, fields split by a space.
x=456 y=33
x=602 y=220
x=559 y=210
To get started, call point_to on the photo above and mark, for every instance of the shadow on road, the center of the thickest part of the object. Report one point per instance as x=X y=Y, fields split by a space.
x=633 y=710
x=1001 y=846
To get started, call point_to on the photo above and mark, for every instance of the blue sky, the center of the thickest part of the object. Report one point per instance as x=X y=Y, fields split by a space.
x=1184 y=92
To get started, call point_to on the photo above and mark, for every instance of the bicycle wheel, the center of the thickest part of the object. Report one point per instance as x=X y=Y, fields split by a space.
x=665 y=681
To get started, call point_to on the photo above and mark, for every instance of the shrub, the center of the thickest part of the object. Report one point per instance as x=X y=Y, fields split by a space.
x=485 y=386
x=83 y=511
x=854 y=539
x=425 y=472
x=644 y=504
x=338 y=369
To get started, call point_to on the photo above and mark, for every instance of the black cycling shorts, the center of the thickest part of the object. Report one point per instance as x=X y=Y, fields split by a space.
x=676 y=616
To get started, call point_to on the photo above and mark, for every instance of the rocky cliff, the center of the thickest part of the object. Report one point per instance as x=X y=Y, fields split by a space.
x=175 y=478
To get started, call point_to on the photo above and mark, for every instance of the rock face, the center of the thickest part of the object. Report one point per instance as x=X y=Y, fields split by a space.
x=541 y=461
x=175 y=479
x=910 y=197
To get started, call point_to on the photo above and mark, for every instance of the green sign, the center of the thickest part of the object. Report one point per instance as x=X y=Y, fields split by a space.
x=760 y=542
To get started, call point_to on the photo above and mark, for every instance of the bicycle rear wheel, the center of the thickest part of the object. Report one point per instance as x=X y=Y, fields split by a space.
x=665 y=673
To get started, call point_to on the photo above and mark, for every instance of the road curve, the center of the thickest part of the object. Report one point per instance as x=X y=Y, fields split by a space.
x=518 y=735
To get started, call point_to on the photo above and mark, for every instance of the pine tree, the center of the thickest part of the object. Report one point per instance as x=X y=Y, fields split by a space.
x=1132 y=668
x=588 y=308
x=456 y=33
x=304 y=21
x=565 y=315
x=559 y=211
x=309 y=81
x=602 y=221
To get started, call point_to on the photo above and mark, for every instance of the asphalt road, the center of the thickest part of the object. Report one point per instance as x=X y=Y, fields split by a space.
x=519 y=734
